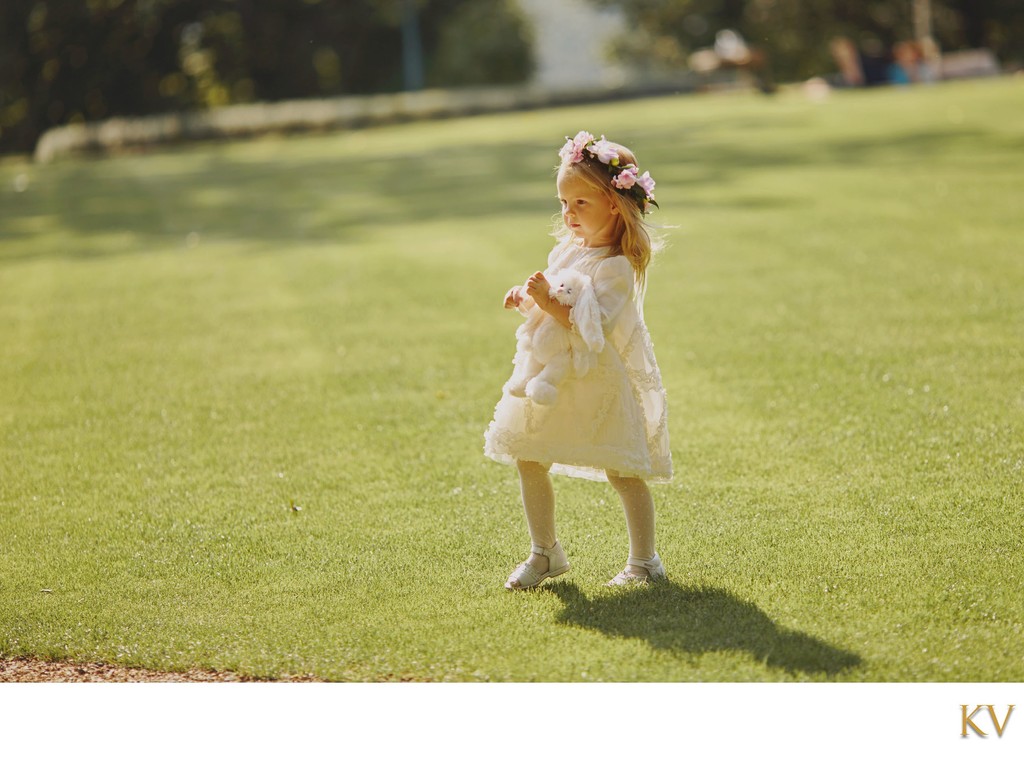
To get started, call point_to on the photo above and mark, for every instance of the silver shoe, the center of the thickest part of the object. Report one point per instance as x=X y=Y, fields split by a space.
x=655 y=572
x=525 y=576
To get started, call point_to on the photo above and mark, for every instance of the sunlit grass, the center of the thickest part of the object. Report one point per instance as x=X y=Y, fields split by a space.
x=243 y=389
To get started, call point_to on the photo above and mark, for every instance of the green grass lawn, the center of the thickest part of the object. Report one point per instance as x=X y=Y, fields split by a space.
x=243 y=389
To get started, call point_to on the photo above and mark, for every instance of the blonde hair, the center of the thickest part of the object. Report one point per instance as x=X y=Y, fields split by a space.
x=637 y=240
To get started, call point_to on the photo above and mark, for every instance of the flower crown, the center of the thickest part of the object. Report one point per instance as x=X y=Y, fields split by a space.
x=626 y=179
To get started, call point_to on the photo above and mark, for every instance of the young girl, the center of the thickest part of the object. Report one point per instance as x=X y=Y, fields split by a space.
x=611 y=423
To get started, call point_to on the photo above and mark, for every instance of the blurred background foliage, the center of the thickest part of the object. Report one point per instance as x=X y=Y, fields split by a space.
x=67 y=61
x=794 y=34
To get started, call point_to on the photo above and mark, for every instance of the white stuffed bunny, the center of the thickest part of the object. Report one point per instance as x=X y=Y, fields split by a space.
x=546 y=350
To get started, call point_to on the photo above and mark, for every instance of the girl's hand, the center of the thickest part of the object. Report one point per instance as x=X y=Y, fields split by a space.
x=513 y=298
x=538 y=288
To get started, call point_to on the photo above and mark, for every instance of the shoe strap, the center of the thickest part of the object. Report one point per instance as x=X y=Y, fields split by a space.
x=649 y=564
x=549 y=553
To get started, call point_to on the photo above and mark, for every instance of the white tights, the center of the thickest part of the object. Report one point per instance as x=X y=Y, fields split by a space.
x=539 y=505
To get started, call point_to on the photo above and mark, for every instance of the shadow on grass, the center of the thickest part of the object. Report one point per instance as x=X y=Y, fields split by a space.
x=284 y=199
x=697 y=620
x=288 y=198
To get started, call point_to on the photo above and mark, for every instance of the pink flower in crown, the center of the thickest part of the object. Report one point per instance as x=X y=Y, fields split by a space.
x=604 y=151
x=626 y=178
x=572 y=151
x=646 y=181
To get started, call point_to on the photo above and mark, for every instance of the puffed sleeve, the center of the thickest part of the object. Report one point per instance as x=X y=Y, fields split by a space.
x=613 y=286
x=557 y=254
x=553 y=255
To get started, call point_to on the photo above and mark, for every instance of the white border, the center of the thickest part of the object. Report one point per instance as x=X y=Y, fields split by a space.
x=567 y=721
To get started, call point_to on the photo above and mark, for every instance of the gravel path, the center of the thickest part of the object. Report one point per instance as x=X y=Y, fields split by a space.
x=27 y=670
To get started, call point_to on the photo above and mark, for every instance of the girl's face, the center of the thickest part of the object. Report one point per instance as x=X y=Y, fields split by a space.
x=587 y=212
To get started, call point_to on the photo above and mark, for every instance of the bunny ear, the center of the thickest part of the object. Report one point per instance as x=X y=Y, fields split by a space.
x=583 y=359
x=586 y=315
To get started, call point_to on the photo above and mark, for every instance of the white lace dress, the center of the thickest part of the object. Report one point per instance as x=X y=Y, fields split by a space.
x=613 y=418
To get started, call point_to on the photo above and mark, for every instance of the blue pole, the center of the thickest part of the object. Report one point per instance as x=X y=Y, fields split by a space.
x=412 y=50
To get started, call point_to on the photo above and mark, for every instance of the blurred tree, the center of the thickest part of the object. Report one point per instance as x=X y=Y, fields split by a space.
x=72 y=61
x=482 y=43
x=995 y=24
x=795 y=33
x=65 y=61
x=290 y=49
